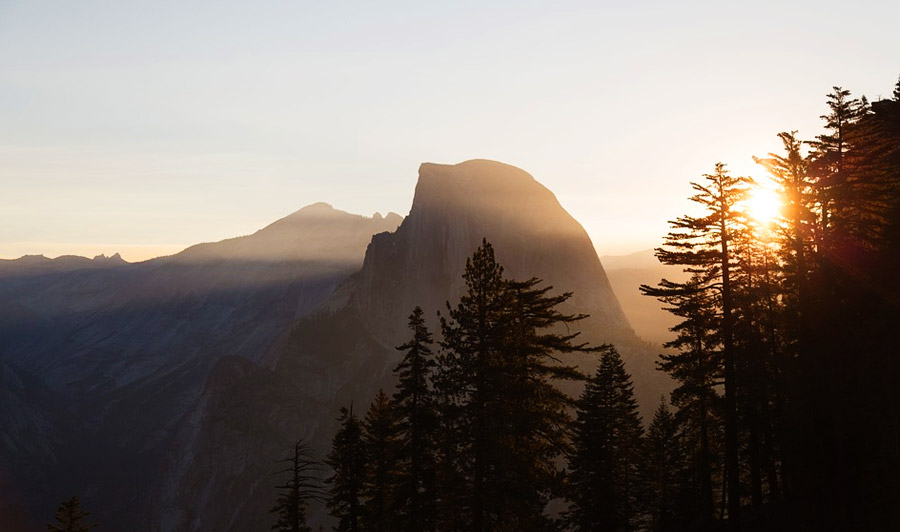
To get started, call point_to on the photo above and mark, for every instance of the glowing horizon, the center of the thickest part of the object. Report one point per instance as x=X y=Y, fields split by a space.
x=148 y=127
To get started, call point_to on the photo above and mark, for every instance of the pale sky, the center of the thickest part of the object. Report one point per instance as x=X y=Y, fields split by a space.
x=145 y=127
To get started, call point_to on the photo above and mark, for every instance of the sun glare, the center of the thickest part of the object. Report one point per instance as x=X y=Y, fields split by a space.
x=763 y=205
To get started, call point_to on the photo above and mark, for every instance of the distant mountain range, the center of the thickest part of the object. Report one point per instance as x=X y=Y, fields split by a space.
x=116 y=354
x=162 y=392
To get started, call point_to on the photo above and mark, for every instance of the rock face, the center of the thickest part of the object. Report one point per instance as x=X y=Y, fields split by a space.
x=126 y=349
x=454 y=209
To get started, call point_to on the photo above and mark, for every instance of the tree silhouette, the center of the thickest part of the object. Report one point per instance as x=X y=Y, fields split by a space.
x=697 y=367
x=70 y=517
x=302 y=485
x=382 y=449
x=604 y=464
x=468 y=378
x=348 y=461
x=497 y=374
x=790 y=172
x=704 y=245
x=417 y=425
x=830 y=157
x=663 y=474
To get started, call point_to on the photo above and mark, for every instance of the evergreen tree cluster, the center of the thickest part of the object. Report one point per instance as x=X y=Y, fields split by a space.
x=786 y=405
x=479 y=436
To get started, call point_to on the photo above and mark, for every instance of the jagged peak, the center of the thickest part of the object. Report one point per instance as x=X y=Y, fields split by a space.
x=322 y=209
x=393 y=218
x=115 y=257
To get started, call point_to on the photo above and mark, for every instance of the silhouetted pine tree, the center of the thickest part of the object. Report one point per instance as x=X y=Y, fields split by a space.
x=829 y=159
x=348 y=460
x=417 y=426
x=704 y=245
x=468 y=370
x=604 y=463
x=497 y=373
x=697 y=368
x=535 y=410
x=70 y=517
x=790 y=171
x=382 y=444
x=663 y=478
x=303 y=485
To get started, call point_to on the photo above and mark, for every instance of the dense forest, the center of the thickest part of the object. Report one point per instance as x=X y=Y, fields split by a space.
x=786 y=414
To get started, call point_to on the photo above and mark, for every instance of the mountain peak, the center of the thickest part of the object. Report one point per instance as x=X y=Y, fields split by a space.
x=497 y=196
x=455 y=207
x=484 y=166
x=112 y=259
x=317 y=208
x=476 y=174
x=316 y=232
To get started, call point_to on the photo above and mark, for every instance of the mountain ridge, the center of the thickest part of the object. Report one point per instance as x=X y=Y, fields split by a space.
x=127 y=347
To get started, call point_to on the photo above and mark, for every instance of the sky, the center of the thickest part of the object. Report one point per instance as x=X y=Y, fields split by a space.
x=145 y=127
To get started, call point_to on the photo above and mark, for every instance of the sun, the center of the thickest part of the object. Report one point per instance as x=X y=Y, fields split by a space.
x=763 y=204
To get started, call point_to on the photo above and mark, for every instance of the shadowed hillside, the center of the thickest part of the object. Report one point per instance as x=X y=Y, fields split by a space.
x=123 y=350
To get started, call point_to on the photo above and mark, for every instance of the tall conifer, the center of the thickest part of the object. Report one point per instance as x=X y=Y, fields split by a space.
x=417 y=425
x=382 y=445
x=604 y=464
x=705 y=245
x=498 y=372
x=663 y=471
x=696 y=366
x=348 y=461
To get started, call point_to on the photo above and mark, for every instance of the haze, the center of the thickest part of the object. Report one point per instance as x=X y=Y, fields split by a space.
x=145 y=127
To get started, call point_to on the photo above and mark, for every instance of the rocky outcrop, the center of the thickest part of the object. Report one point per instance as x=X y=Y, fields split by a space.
x=455 y=208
